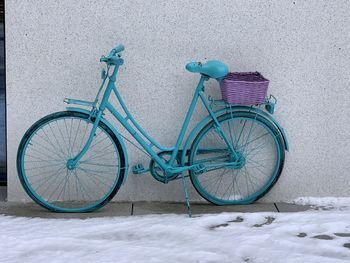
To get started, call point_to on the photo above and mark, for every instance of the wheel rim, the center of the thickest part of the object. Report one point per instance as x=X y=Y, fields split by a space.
x=48 y=178
x=259 y=147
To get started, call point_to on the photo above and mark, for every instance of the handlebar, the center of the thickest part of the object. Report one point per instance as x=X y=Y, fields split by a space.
x=119 y=48
x=112 y=55
x=116 y=50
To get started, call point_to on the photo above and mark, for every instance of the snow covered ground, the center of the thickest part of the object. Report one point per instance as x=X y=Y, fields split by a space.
x=313 y=236
x=335 y=203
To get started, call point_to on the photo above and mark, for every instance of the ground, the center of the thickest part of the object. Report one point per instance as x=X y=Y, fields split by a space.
x=321 y=235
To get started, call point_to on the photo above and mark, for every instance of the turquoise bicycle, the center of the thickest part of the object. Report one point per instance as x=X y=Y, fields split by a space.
x=76 y=161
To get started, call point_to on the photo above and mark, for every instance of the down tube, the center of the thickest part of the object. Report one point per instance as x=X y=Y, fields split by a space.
x=137 y=137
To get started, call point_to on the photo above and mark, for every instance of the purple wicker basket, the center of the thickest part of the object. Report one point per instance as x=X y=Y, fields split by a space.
x=245 y=88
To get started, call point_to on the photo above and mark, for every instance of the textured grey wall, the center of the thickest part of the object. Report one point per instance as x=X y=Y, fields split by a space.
x=303 y=47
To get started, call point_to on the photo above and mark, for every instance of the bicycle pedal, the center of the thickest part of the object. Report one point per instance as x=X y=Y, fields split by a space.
x=139 y=169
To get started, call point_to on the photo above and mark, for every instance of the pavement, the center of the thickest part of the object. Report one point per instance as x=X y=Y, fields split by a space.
x=31 y=209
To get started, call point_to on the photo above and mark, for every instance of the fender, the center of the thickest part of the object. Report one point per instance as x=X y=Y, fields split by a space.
x=207 y=119
x=109 y=125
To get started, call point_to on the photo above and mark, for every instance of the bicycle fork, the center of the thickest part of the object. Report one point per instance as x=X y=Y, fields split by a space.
x=71 y=163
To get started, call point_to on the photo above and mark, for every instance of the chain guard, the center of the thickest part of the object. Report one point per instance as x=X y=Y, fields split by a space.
x=158 y=173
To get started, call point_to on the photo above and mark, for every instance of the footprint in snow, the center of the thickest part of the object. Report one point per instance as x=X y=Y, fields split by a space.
x=302 y=234
x=342 y=234
x=269 y=221
x=238 y=219
x=347 y=245
x=323 y=237
x=327 y=237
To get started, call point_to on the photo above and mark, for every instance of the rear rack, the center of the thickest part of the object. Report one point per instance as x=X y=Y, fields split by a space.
x=269 y=104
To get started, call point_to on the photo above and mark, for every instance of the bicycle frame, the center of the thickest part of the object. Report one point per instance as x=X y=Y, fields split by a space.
x=198 y=154
x=138 y=133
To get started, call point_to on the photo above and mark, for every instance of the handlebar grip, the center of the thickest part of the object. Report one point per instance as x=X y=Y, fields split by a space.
x=118 y=48
x=111 y=54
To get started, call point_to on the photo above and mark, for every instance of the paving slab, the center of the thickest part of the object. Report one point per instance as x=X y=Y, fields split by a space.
x=31 y=209
x=146 y=208
x=287 y=207
x=34 y=210
x=205 y=208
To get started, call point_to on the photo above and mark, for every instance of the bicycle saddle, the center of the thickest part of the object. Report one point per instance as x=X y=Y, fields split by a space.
x=213 y=68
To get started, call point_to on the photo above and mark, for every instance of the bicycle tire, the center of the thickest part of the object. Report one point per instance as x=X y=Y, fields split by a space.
x=238 y=195
x=47 y=134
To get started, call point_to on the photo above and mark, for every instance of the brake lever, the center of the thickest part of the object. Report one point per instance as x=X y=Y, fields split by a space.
x=103 y=59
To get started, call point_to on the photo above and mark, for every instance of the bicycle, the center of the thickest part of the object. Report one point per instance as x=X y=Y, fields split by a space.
x=76 y=161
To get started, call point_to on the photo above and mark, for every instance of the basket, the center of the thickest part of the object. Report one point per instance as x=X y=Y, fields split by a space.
x=245 y=88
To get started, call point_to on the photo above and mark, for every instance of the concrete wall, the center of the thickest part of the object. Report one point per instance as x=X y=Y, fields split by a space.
x=303 y=47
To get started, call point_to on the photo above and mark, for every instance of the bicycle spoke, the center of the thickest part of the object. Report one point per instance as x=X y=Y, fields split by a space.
x=76 y=135
x=83 y=138
x=258 y=138
x=63 y=139
x=100 y=165
x=230 y=131
x=240 y=134
x=68 y=146
x=98 y=156
x=46 y=181
x=42 y=160
x=39 y=151
x=98 y=142
x=49 y=142
x=57 y=142
x=94 y=176
x=106 y=172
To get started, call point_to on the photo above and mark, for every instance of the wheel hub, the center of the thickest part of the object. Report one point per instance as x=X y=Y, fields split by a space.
x=70 y=164
x=239 y=162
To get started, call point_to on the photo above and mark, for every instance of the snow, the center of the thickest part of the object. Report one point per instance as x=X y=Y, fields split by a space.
x=226 y=237
x=340 y=203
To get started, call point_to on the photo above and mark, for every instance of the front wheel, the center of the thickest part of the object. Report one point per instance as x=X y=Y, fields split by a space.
x=261 y=152
x=44 y=171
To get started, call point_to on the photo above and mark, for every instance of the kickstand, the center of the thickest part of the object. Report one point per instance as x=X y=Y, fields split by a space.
x=186 y=196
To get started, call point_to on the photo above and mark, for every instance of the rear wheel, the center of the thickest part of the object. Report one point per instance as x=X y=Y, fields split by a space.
x=260 y=148
x=46 y=175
